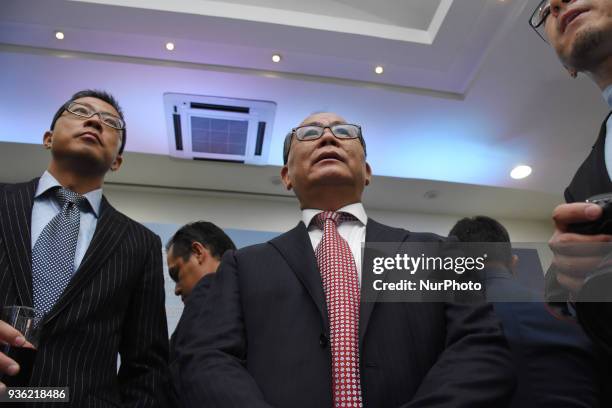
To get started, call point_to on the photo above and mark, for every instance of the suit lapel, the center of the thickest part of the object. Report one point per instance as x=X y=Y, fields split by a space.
x=600 y=155
x=376 y=232
x=16 y=220
x=296 y=249
x=592 y=177
x=110 y=228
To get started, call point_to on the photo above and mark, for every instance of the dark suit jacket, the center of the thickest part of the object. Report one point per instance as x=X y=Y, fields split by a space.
x=555 y=360
x=262 y=339
x=592 y=176
x=590 y=179
x=198 y=295
x=113 y=305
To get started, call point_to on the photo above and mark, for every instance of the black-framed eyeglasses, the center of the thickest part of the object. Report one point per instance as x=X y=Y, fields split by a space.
x=313 y=132
x=538 y=18
x=86 y=111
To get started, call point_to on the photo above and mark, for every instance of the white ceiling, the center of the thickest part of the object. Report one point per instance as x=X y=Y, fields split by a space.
x=416 y=14
x=463 y=33
x=484 y=95
x=416 y=20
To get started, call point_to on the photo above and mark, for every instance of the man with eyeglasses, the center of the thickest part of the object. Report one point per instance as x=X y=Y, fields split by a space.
x=580 y=32
x=93 y=275
x=284 y=325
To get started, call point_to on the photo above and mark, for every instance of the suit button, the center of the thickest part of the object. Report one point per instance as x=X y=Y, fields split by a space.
x=323 y=341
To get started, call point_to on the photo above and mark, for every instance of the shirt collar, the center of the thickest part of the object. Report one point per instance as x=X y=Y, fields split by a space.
x=607 y=94
x=47 y=181
x=355 y=209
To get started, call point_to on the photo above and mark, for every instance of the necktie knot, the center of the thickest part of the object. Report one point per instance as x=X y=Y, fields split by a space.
x=322 y=217
x=65 y=196
x=336 y=217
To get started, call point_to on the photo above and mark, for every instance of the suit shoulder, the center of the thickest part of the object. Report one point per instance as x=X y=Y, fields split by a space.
x=134 y=225
x=427 y=237
x=26 y=186
x=252 y=250
x=383 y=233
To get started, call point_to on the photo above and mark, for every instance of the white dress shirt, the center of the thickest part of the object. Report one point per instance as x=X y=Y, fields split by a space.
x=354 y=232
x=607 y=94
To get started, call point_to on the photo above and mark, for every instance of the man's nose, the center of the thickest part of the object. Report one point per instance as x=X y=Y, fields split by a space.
x=557 y=6
x=328 y=137
x=94 y=122
x=177 y=290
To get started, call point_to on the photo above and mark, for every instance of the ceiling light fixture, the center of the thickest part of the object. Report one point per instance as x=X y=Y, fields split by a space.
x=170 y=46
x=59 y=35
x=520 y=172
x=276 y=58
x=379 y=70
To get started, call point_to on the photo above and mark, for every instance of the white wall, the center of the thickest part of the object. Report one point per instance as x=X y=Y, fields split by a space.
x=243 y=211
x=173 y=206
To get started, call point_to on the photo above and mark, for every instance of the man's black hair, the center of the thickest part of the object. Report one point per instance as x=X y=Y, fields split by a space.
x=98 y=94
x=206 y=233
x=485 y=229
x=289 y=139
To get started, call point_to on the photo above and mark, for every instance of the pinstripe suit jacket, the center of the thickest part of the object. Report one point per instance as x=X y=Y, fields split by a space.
x=113 y=305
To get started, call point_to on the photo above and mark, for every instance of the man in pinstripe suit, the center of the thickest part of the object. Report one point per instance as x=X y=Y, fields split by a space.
x=113 y=303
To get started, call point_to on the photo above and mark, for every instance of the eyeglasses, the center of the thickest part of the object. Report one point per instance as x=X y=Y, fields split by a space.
x=342 y=131
x=538 y=18
x=85 y=111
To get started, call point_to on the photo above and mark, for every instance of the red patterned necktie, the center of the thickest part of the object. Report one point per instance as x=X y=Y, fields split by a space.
x=339 y=275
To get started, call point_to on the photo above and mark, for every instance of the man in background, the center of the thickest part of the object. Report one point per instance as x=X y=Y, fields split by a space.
x=580 y=32
x=284 y=325
x=93 y=275
x=193 y=254
x=555 y=360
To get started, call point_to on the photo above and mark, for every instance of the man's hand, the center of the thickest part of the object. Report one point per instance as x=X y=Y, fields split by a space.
x=575 y=255
x=9 y=336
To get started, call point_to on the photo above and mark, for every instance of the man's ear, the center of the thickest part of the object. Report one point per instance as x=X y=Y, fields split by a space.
x=285 y=177
x=116 y=163
x=48 y=139
x=573 y=73
x=368 y=178
x=513 y=264
x=200 y=252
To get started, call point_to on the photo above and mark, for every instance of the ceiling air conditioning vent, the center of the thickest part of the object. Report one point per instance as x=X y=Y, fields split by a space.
x=216 y=128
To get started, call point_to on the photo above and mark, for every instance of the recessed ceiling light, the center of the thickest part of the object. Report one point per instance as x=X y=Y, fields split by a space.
x=59 y=35
x=276 y=58
x=170 y=46
x=379 y=70
x=520 y=172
